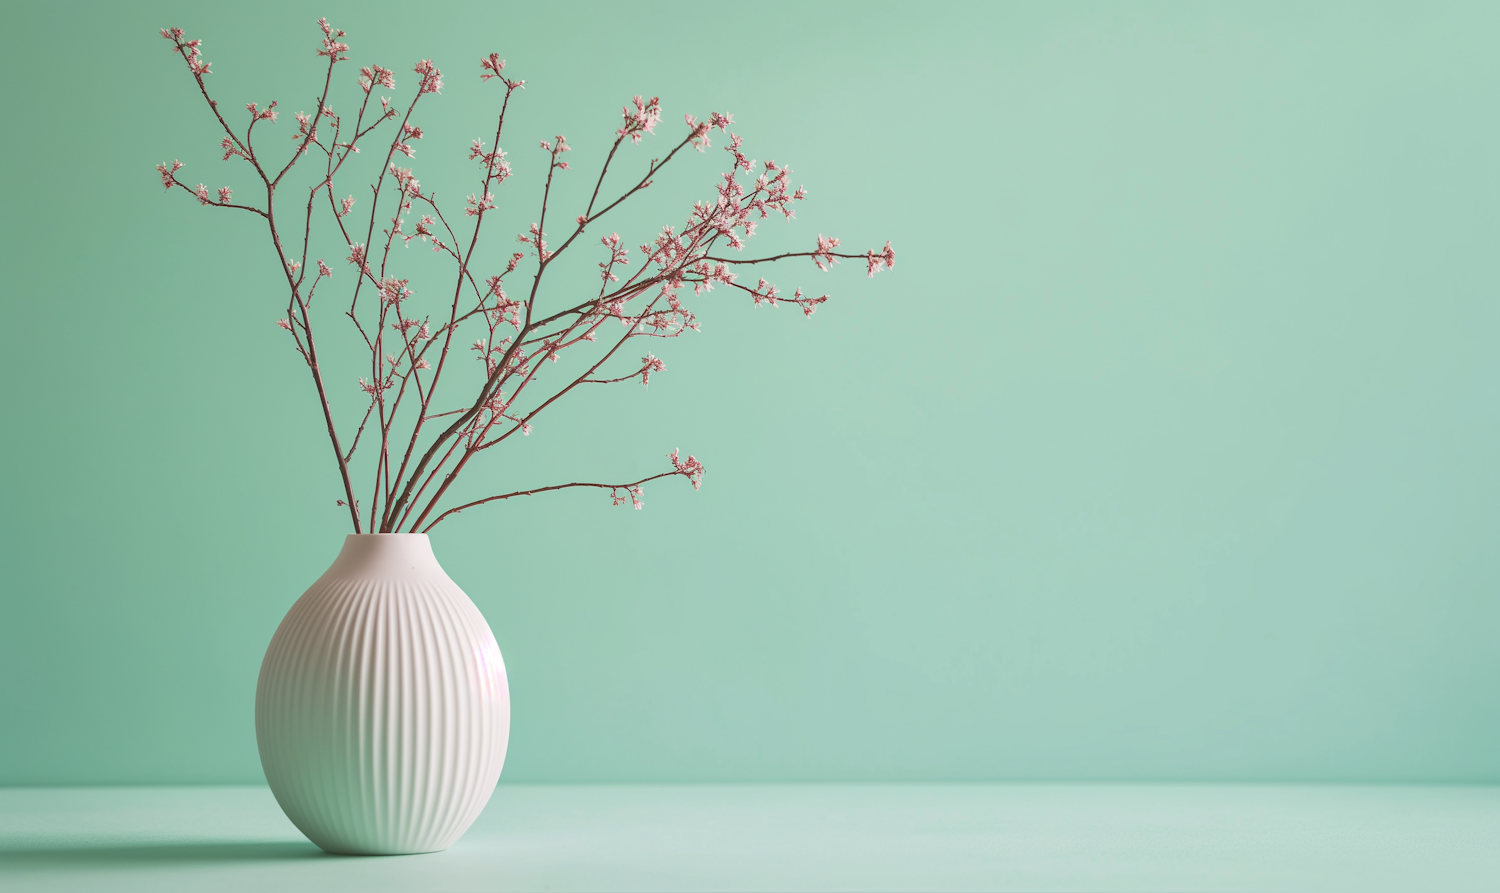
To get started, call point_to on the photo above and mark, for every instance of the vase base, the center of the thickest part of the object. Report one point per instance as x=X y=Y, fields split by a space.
x=359 y=852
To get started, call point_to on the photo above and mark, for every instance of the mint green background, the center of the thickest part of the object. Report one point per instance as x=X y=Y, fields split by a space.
x=1168 y=451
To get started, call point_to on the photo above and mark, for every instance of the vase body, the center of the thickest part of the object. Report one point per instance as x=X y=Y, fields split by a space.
x=382 y=711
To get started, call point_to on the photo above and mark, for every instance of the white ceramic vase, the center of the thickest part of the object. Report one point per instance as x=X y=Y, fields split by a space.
x=382 y=710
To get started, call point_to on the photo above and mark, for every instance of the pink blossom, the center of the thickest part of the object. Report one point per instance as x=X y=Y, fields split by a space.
x=232 y=148
x=224 y=193
x=408 y=132
x=202 y=193
x=494 y=162
x=331 y=47
x=284 y=324
x=634 y=492
x=649 y=364
x=667 y=249
x=740 y=161
x=764 y=292
x=392 y=290
x=807 y=304
x=515 y=259
x=425 y=225
x=874 y=261
x=689 y=467
x=478 y=206
x=823 y=257
x=421 y=363
x=535 y=240
x=698 y=135
x=370 y=77
x=407 y=182
x=191 y=49
x=167 y=179
x=504 y=310
x=492 y=64
x=357 y=257
x=711 y=273
x=347 y=204
x=617 y=255
x=323 y=270
x=641 y=121
x=256 y=114
x=432 y=78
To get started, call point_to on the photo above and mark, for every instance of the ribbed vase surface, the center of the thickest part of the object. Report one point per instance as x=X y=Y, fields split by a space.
x=382 y=710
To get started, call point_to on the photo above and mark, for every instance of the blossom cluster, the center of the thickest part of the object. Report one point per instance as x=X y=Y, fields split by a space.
x=641 y=120
x=189 y=50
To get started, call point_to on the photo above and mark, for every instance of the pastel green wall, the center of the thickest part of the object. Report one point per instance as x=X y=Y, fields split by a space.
x=1168 y=451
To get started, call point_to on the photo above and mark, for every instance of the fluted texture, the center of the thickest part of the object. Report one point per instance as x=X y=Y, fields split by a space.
x=382 y=710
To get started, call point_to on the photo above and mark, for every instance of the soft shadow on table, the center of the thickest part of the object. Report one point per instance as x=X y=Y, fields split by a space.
x=125 y=855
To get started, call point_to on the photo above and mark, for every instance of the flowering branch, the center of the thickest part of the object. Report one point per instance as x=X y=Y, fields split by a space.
x=517 y=339
x=689 y=468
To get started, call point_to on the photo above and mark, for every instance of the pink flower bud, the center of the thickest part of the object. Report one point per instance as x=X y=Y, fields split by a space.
x=432 y=78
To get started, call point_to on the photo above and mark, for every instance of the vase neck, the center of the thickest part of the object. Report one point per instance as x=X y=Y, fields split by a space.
x=385 y=554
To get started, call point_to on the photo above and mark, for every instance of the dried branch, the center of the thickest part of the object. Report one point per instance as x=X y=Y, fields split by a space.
x=518 y=339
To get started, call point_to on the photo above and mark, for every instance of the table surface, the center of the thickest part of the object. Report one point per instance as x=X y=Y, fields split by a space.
x=1038 y=837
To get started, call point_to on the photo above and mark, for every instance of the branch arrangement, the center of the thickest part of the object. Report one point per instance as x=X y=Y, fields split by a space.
x=425 y=441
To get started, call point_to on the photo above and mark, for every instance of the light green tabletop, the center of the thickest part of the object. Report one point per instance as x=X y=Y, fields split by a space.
x=803 y=837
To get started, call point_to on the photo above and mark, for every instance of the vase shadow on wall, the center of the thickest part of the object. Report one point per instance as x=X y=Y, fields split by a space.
x=114 y=854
